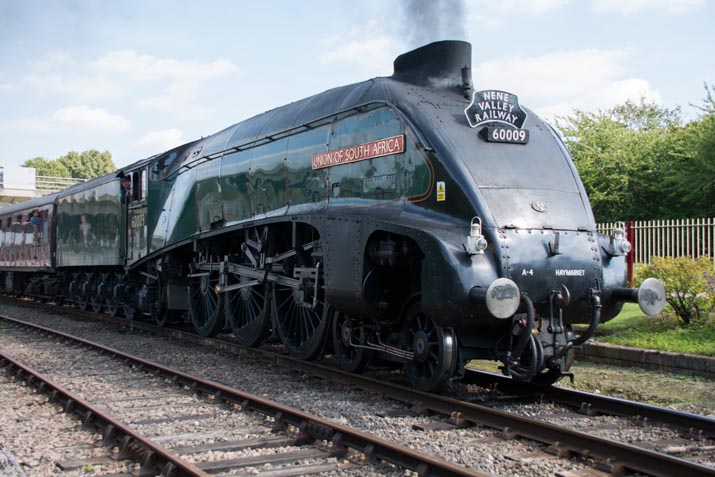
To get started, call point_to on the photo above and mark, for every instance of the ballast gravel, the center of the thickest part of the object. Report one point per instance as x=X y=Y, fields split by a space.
x=475 y=447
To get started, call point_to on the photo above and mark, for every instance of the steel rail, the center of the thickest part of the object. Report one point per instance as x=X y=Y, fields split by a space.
x=153 y=456
x=310 y=426
x=595 y=403
x=586 y=402
x=616 y=456
x=567 y=441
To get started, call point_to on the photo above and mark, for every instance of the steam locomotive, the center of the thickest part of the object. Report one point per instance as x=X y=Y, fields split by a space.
x=407 y=219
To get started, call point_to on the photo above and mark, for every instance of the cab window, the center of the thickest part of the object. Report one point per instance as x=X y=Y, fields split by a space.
x=139 y=185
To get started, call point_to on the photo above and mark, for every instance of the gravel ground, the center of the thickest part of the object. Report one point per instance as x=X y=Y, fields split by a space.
x=475 y=447
x=40 y=434
x=139 y=400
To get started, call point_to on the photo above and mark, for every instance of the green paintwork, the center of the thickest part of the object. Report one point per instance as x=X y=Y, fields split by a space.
x=306 y=188
x=208 y=195
x=182 y=221
x=277 y=177
x=235 y=186
x=268 y=178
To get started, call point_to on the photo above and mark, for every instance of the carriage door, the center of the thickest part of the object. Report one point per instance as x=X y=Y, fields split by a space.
x=136 y=216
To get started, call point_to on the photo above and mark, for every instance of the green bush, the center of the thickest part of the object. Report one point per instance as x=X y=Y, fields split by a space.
x=689 y=285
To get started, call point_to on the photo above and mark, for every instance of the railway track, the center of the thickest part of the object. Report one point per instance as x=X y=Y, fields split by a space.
x=594 y=404
x=118 y=381
x=612 y=456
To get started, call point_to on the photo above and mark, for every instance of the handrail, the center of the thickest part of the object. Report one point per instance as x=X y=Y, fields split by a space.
x=52 y=183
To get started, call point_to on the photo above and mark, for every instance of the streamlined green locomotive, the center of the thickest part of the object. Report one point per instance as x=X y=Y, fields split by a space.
x=407 y=219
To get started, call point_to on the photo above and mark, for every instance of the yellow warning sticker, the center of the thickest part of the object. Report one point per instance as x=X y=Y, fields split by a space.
x=441 y=192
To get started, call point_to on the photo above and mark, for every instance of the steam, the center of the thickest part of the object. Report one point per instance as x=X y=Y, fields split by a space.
x=426 y=21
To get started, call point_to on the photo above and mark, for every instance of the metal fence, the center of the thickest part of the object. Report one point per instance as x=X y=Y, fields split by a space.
x=54 y=184
x=669 y=238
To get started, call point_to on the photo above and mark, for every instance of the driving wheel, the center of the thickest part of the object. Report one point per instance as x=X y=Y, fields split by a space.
x=434 y=349
x=205 y=304
x=248 y=308
x=248 y=312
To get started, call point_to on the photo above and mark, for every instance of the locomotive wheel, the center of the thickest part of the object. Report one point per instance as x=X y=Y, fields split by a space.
x=350 y=358
x=205 y=305
x=98 y=300
x=248 y=313
x=129 y=311
x=83 y=302
x=112 y=306
x=166 y=317
x=97 y=303
x=87 y=292
x=302 y=329
x=162 y=316
x=248 y=309
x=300 y=315
x=435 y=351
x=159 y=310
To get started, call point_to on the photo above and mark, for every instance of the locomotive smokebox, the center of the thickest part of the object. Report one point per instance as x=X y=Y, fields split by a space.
x=443 y=64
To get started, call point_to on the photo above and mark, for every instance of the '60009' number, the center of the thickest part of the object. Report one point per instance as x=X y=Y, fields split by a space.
x=509 y=135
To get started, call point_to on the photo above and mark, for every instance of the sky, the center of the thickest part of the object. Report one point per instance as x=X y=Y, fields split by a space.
x=137 y=77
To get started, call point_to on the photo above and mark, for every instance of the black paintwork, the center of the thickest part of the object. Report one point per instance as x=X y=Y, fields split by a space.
x=386 y=241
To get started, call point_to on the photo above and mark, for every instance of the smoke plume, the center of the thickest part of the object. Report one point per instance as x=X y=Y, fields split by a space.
x=426 y=21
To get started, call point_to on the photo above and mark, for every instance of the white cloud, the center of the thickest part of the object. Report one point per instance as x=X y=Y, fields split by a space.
x=632 y=7
x=552 y=74
x=94 y=119
x=155 y=141
x=179 y=98
x=57 y=73
x=52 y=61
x=510 y=7
x=611 y=94
x=85 y=88
x=76 y=119
x=367 y=47
x=493 y=14
x=7 y=87
x=136 y=67
x=556 y=83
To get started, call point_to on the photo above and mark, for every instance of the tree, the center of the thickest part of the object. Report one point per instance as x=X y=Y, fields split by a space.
x=693 y=181
x=84 y=165
x=623 y=156
x=43 y=167
x=88 y=164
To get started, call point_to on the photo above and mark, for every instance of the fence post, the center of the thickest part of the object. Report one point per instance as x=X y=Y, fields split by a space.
x=630 y=258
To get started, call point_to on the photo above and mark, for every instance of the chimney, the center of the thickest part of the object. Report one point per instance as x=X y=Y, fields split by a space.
x=442 y=64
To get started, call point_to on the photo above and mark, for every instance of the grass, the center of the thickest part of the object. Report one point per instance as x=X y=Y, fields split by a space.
x=683 y=392
x=664 y=332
